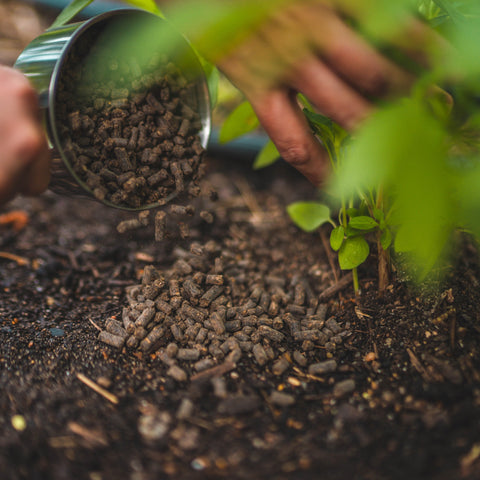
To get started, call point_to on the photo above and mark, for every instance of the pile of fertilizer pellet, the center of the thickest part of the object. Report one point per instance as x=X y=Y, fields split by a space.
x=129 y=133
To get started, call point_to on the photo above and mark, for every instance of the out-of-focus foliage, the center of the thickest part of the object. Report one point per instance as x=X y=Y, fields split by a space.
x=76 y=6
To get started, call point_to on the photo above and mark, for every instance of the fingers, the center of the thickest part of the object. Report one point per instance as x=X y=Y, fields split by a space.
x=286 y=125
x=330 y=94
x=24 y=154
x=358 y=63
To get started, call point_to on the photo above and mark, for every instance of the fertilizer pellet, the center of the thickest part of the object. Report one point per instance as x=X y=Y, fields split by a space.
x=111 y=339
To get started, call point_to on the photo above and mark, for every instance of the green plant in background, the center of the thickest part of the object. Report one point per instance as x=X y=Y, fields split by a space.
x=411 y=175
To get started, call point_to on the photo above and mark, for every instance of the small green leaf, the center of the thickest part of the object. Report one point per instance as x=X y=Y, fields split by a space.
x=72 y=9
x=241 y=121
x=336 y=237
x=267 y=155
x=378 y=214
x=386 y=239
x=147 y=5
x=76 y=6
x=363 y=223
x=353 y=252
x=308 y=215
x=353 y=212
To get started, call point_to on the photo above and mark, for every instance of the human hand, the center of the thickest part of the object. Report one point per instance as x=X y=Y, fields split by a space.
x=24 y=154
x=307 y=47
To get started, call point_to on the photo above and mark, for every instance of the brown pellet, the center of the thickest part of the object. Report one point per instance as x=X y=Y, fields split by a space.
x=321 y=368
x=174 y=288
x=140 y=332
x=132 y=342
x=312 y=335
x=190 y=312
x=234 y=356
x=184 y=230
x=177 y=373
x=116 y=328
x=191 y=289
x=332 y=324
x=203 y=364
x=271 y=334
x=280 y=366
x=343 y=388
x=214 y=279
x=128 y=323
x=299 y=295
x=160 y=225
x=260 y=354
x=171 y=350
x=233 y=325
x=152 y=338
x=177 y=332
x=300 y=358
x=188 y=354
x=111 y=339
x=210 y=295
x=163 y=306
x=145 y=317
x=206 y=216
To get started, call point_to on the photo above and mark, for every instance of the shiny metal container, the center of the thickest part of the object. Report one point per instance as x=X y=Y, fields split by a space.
x=42 y=62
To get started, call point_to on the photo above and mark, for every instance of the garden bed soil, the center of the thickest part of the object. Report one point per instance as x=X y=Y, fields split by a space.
x=393 y=394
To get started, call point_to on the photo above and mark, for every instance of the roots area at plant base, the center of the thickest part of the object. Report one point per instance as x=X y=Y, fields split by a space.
x=224 y=352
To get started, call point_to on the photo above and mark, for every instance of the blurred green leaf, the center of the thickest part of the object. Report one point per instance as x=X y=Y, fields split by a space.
x=386 y=239
x=353 y=212
x=147 y=5
x=267 y=155
x=353 y=252
x=72 y=9
x=76 y=6
x=241 y=121
x=336 y=238
x=309 y=215
x=403 y=148
x=363 y=223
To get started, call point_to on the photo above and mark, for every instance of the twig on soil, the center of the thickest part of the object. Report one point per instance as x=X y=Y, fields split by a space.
x=97 y=388
x=22 y=261
x=18 y=219
x=95 y=438
x=94 y=324
x=217 y=371
x=338 y=287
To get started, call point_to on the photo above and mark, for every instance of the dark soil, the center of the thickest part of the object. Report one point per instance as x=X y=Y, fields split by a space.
x=393 y=394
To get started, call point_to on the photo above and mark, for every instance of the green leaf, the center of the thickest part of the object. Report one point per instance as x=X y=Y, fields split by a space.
x=353 y=212
x=147 y=5
x=378 y=214
x=454 y=13
x=353 y=252
x=241 y=121
x=76 y=6
x=336 y=238
x=267 y=155
x=308 y=215
x=363 y=223
x=70 y=11
x=386 y=239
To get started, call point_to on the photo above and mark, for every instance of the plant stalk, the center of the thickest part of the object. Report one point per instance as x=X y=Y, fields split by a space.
x=356 y=285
